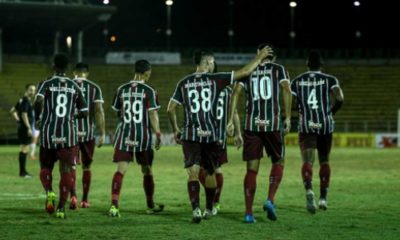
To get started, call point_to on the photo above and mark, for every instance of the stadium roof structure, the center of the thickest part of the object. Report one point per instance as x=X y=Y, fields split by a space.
x=53 y=15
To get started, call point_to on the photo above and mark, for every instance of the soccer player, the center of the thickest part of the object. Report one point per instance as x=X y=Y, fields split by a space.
x=137 y=106
x=222 y=109
x=23 y=114
x=85 y=131
x=198 y=93
x=319 y=97
x=263 y=128
x=57 y=101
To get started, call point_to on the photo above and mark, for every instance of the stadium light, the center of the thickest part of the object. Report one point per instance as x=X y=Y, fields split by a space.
x=113 y=38
x=293 y=4
x=357 y=3
x=358 y=34
x=106 y=2
x=169 y=2
x=68 y=40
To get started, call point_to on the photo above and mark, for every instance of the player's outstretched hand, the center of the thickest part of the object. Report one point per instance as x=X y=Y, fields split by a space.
x=230 y=129
x=101 y=141
x=287 y=125
x=157 y=145
x=177 y=136
x=238 y=141
x=265 y=52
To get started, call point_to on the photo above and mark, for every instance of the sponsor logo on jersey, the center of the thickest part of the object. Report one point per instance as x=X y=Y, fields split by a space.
x=262 y=122
x=203 y=133
x=198 y=84
x=58 y=140
x=132 y=143
x=314 y=125
x=62 y=89
x=133 y=94
x=81 y=133
x=313 y=83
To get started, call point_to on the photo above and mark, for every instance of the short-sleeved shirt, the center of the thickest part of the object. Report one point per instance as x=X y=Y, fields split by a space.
x=24 y=105
x=262 y=88
x=198 y=93
x=312 y=90
x=221 y=113
x=134 y=100
x=92 y=94
x=62 y=98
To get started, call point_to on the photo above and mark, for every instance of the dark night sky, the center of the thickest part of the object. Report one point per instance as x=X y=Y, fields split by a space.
x=141 y=24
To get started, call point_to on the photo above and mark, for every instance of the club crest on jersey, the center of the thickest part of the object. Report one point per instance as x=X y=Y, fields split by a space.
x=314 y=125
x=203 y=133
x=58 y=140
x=262 y=122
x=131 y=143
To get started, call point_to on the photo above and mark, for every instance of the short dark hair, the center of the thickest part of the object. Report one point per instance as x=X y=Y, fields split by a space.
x=263 y=45
x=314 y=60
x=142 y=66
x=27 y=86
x=61 y=61
x=82 y=67
x=199 y=55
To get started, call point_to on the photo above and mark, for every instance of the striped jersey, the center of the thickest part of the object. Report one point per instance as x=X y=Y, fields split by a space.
x=134 y=100
x=221 y=113
x=262 y=88
x=92 y=94
x=312 y=90
x=62 y=98
x=198 y=93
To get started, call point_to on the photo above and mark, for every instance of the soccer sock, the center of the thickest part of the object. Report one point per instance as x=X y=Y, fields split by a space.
x=306 y=173
x=202 y=177
x=194 y=192
x=210 y=194
x=220 y=182
x=86 y=179
x=65 y=185
x=22 y=163
x=324 y=176
x=73 y=182
x=46 y=178
x=250 y=185
x=275 y=178
x=33 y=149
x=148 y=186
x=116 y=188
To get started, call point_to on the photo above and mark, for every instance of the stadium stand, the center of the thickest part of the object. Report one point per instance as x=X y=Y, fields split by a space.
x=364 y=110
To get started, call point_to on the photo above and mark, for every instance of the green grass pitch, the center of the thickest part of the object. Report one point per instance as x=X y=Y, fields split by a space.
x=363 y=201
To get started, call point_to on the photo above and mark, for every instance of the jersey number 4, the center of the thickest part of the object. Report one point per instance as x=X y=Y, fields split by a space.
x=312 y=99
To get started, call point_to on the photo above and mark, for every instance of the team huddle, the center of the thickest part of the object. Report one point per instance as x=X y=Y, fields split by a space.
x=68 y=111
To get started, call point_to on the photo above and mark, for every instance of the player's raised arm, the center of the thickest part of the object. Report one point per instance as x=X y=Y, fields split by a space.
x=338 y=97
x=100 y=122
x=248 y=69
x=237 y=89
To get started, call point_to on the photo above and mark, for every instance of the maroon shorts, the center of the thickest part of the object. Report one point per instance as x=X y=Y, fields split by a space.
x=254 y=142
x=222 y=155
x=49 y=156
x=85 y=152
x=144 y=158
x=202 y=154
x=321 y=142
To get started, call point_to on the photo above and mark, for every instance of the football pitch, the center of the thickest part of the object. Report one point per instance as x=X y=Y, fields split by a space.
x=363 y=201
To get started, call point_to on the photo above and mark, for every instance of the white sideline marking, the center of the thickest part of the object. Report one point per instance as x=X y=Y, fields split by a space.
x=20 y=196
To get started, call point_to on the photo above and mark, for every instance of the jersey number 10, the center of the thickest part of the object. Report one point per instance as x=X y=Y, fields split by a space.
x=261 y=88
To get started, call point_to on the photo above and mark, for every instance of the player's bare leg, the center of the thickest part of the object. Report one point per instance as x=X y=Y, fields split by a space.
x=116 y=185
x=202 y=177
x=308 y=156
x=65 y=186
x=210 y=188
x=250 y=185
x=148 y=186
x=24 y=149
x=74 y=201
x=275 y=179
x=86 y=180
x=33 y=146
x=324 y=176
x=193 y=186
x=219 y=177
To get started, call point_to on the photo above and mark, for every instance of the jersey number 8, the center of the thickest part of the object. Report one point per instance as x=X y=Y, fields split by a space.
x=61 y=108
x=133 y=111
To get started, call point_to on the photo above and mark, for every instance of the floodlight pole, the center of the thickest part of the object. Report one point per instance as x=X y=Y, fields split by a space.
x=292 y=33
x=57 y=36
x=231 y=32
x=79 y=47
x=168 y=32
x=1 y=50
